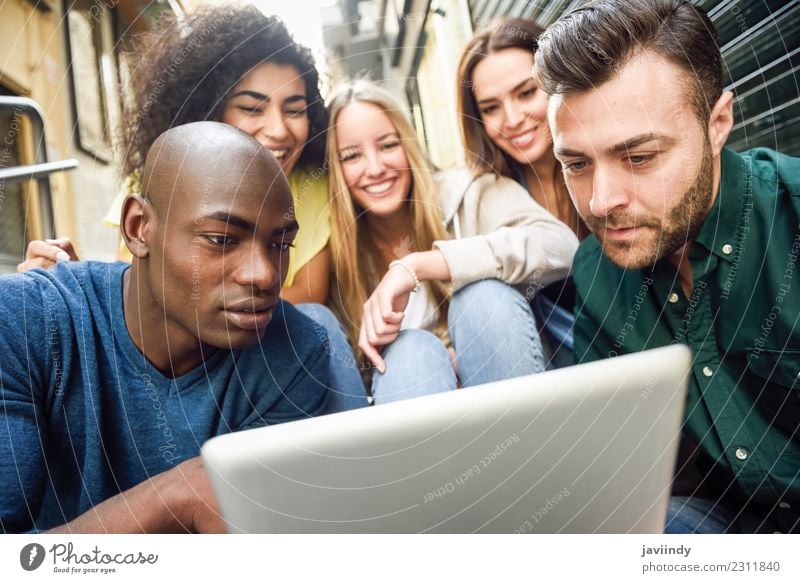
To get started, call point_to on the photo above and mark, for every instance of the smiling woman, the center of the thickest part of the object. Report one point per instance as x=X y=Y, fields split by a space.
x=425 y=264
x=503 y=115
x=277 y=119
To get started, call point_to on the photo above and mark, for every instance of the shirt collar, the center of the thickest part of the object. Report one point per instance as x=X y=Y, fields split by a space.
x=719 y=232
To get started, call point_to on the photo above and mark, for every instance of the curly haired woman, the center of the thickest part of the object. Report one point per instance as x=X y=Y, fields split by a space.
x=238 y=66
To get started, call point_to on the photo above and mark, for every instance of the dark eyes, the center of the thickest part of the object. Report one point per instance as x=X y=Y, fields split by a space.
x=224 y=241
x=256 y=110
x=219 y=240
x=283 y=247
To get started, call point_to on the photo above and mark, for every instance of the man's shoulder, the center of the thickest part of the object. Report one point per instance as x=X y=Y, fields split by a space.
x=774 y=169
x=68 y=286
x=73 y=275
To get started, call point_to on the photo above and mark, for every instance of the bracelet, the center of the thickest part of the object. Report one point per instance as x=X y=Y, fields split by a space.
x=410 y=271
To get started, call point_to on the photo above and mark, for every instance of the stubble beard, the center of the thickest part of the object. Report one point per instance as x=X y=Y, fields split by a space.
x=685 y=221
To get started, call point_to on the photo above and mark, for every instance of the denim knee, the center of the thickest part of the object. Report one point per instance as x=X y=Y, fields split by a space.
x=322 y=315
x=494 y=333
x=686 y=515
x=490 y=300
x=417 y=364
x=346 y=387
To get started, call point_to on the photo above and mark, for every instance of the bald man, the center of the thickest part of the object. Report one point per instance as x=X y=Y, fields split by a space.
x=113 y=375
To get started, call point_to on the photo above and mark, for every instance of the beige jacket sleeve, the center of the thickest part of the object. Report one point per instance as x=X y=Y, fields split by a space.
x=500 y=232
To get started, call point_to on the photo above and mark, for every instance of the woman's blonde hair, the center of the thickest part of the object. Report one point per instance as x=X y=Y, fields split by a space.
x=357 y=265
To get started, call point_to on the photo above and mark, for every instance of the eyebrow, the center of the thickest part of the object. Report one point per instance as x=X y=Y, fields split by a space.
x=514 y=89
x=240 y=223
x=624 y=146
x=262 y=97
x=640 y=139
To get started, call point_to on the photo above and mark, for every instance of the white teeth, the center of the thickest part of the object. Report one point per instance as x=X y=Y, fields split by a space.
x=379 y=188
x=524 y=138
x=279 y=153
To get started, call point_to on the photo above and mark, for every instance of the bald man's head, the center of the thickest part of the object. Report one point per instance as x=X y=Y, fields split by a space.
x=199 y=158
x=211 y=233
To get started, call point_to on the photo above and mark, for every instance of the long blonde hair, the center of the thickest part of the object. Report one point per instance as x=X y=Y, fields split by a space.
x=356 y=274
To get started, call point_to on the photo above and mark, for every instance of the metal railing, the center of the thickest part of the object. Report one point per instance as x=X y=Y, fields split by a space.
x=41 y=170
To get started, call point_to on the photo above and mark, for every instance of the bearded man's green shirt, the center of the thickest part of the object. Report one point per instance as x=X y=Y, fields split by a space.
x=742 y=417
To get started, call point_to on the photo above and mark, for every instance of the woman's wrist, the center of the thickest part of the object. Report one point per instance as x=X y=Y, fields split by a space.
x=428 y=265
x=410 y=271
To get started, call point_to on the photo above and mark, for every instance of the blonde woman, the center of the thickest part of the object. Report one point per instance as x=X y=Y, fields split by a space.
x=425 y=263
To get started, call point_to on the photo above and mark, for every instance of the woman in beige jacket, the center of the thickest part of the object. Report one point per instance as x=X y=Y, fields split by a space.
x=424 y=262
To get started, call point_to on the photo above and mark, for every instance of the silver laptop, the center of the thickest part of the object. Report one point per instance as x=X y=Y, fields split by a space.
x=590 y=448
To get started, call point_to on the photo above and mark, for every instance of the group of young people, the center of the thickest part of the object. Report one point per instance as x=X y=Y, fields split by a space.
x=397 y=279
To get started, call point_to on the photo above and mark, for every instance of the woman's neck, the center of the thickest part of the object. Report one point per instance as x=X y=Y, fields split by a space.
x=540 y=177
x=391 y=235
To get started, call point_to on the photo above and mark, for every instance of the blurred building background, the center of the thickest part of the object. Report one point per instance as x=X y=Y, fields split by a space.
x=64 y=55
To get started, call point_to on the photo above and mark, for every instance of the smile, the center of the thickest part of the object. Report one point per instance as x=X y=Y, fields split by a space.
x=523 y=139
x=278 y=153
x=380 y=188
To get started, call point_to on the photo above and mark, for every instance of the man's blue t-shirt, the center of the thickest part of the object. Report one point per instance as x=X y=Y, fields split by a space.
x=84 y=415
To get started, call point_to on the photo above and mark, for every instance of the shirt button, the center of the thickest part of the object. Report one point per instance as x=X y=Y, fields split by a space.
x=673 y=298
x=727 y=249
x=784 y=505
x=707 y=371
x=741 y=453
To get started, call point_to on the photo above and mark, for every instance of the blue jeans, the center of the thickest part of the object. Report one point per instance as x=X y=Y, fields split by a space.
x=346 y=390
x=417 y=364
x=695 y=516
x=552 y=307
x=494 y=335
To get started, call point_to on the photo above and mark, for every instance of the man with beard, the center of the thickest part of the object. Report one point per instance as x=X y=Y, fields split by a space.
x=113 y=375
x=692 y=243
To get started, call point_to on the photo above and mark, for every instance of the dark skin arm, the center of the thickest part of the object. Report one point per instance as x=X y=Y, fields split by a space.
x=179 y=500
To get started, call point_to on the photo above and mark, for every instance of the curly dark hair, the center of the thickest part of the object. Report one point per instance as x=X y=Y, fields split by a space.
x=183 y=71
